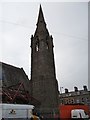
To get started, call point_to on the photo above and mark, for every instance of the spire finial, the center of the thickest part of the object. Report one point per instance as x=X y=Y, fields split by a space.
x=40 y=16
x=40 y=6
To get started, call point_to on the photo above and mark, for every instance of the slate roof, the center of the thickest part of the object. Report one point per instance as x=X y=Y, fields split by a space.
x=11 y=75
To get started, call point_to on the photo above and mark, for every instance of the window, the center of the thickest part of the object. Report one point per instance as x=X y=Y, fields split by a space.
x=72 y=101
x=47 y=45
x=37 y=47
x=87 y=99
x=82 y=99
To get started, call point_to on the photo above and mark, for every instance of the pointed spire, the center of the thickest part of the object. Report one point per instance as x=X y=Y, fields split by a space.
x=40 y=16
x=41 y=25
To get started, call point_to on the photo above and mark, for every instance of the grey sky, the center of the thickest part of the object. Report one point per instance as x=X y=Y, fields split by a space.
x=66 y=22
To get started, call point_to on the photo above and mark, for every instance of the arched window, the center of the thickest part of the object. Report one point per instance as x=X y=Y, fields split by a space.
x=47 y=47
x=37 y=47
x=37 y=44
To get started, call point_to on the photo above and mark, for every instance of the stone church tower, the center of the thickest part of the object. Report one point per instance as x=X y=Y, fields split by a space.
x=43 y=77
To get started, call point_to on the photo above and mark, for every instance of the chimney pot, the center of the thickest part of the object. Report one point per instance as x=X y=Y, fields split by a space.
x=85 y=88
x=66 y=90
x=76 y=89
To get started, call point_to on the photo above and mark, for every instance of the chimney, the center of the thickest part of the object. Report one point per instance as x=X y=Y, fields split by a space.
x=76 y=89
x=85 y=88
x=66 y=90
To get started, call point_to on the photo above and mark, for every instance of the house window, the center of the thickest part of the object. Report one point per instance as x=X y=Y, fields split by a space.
x=82 y=99
x=86 y=99
x=73 y=101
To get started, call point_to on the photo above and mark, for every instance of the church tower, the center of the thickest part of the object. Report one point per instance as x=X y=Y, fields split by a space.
x=43 y=77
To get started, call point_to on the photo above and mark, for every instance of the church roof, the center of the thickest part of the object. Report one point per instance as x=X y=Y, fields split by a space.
x=11 y=75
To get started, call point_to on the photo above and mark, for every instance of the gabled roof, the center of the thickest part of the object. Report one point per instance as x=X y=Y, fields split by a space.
x=11 y=75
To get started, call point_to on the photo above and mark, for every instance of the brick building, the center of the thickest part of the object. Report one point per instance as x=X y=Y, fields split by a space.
x=75 y=97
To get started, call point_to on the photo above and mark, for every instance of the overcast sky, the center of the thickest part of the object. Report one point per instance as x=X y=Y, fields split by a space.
x=66 y=22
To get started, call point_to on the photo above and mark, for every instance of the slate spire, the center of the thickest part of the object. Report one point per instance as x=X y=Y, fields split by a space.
x=40 y=17
x=41 y=25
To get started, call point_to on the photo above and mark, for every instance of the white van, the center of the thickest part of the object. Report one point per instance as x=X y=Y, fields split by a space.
x=79 y=113
x=16 y=110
